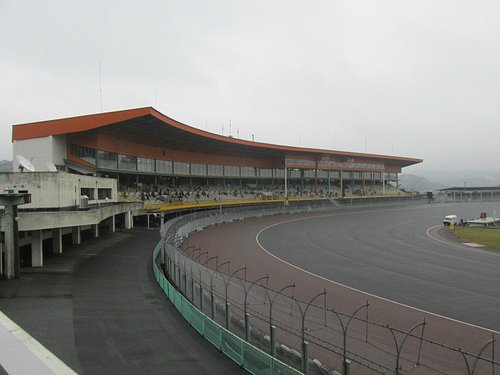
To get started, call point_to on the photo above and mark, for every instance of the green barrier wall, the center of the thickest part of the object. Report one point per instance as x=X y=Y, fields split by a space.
x=247 y=356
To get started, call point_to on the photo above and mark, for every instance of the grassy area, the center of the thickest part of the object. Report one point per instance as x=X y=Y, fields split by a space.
x=489 y=237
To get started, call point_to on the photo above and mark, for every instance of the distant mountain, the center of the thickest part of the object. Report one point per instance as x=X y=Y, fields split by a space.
x=411 y=182
x=463 y=178
x=5 y=166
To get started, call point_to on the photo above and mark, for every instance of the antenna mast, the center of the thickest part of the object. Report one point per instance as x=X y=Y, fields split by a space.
x=100 y=84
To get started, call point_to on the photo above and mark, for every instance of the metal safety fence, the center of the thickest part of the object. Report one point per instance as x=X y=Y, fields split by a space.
x=245 y=355
x=310 y=335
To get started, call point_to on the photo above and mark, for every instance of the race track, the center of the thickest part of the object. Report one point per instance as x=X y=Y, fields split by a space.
x=389 y=253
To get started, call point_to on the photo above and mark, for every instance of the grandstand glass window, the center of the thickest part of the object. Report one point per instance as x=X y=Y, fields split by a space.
x=84 y=153
x=309 y=173
x=279 y=173
x=265 y=172
x=198 y=169
x=377 y=176
x=322 y=174
x=330 y=163
x=248 y=171
x=334 y=174
x=107 y=160
x=181 y=168
x=231 y=170
x=164 y=166
x=290 y=161
x=356 y=175
x=127 y=162
x=145 y=165
x=215 y=170
x=294 y=173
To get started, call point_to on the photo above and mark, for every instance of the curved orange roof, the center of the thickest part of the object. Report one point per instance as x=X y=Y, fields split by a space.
x=86 y=123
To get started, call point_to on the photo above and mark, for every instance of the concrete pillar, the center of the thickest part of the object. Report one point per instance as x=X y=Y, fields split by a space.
x=9 y=245
x=57 y=240
x=1 y=258
x=9 y=225
x=112 y=224
x=36 y=248
x=77 y=236
x=129 y=222
x=95 y=230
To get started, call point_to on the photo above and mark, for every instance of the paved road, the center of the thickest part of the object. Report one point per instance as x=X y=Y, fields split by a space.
x=386 y=252
x=98 y=308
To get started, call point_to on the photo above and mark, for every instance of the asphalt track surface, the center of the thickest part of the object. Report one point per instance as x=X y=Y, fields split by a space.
x=390 y=253
x=387 y=252
x=98 y=308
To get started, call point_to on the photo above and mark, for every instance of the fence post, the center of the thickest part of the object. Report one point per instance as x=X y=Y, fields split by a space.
x=346 y=367
x=273 y=341
x=247 y=327
x=227 y=315
x=212 y=305
x=201 y=297
x=305 y=357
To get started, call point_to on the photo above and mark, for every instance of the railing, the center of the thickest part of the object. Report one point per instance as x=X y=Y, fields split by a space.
x=309 y=334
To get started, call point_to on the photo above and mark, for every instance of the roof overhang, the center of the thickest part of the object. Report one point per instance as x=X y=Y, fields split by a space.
x=147 y=125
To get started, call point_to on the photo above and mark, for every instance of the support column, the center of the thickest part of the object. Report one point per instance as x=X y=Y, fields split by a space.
x=77 y=236
x=11 y=255
x=129 y=222
x=286 y=183
x=95 y=230
x=111 y=224
x=57 y=240
x=36 y=248
x=383 y=183
x=1 y=259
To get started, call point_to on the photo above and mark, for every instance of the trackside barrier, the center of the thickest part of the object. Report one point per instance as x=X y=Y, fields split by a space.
x=245 y=355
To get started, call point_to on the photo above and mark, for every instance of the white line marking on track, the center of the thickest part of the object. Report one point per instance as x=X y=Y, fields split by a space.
x=460 y=245
x=354 y=289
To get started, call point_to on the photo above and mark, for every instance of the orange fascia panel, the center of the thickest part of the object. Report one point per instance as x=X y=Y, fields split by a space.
x=89 y=122
x=74 y=124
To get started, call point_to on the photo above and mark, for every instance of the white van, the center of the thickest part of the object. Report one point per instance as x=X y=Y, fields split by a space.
x=450 y=219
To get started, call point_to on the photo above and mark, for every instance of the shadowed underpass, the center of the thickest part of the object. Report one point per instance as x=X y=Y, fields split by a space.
x=99 y=309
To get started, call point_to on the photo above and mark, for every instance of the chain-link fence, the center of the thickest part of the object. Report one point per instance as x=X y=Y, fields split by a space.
x=310 y=334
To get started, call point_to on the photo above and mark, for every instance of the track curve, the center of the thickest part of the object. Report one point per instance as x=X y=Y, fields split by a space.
x=403 y=228
x=388 y=253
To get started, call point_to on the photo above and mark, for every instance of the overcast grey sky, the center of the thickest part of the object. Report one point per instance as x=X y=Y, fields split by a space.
x=407 y=78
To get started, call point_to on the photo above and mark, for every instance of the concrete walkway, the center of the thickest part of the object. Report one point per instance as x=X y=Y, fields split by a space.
x=98 y=308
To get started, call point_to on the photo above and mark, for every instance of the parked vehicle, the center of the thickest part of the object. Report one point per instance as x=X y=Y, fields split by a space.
x=450 y=219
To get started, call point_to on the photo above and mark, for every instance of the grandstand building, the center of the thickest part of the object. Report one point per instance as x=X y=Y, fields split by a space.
x=150 y=153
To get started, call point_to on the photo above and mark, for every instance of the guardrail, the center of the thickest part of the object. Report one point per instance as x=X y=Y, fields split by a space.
x=310 y=335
